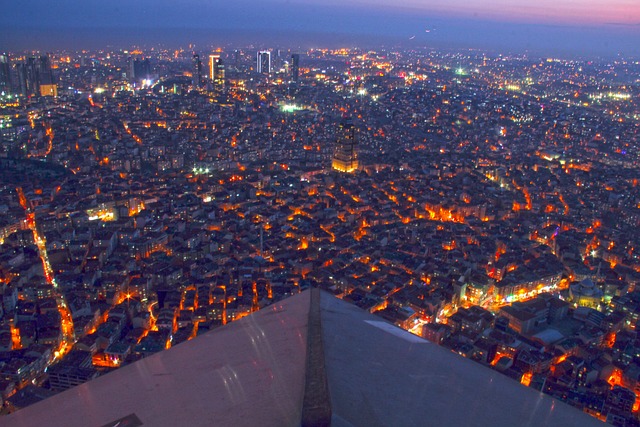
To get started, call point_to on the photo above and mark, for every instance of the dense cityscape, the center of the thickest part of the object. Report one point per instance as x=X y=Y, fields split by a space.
x=488 y=203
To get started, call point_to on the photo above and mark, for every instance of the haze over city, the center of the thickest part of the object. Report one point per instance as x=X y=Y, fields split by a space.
x=569 y=28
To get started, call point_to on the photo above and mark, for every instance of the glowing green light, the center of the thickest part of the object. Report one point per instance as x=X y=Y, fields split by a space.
x=290 y=108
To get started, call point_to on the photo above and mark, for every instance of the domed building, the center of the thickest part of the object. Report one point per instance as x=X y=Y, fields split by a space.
x=585 y=294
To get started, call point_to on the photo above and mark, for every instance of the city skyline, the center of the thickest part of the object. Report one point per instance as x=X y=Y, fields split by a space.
x=295 y=211
x=593 y=28
x=487 y=203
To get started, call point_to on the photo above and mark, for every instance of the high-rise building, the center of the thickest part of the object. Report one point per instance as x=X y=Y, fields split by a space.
x=295 y=67
x=263 y=64
x=235 y=59
x=197 y=71
x=45 y=73
x=5 y=74
x=345 y=157
x=139 y=70
x=23 y=78
x=48 y=86
x=216 y=71
x=35 y=77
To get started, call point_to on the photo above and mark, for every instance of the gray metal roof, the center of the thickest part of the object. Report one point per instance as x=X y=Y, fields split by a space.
x=381 y=375
x=253 y=372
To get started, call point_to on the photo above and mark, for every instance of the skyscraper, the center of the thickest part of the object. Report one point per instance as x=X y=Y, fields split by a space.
x=295 y=67
x=23 y=79
x=216 y=71
x=263 y=65
x=139 y=70
x=345 y=157
x=47 y=83
x=236 y=59
x=45 y=73
x=5 y=74
x=35 y=77
x=197 y=71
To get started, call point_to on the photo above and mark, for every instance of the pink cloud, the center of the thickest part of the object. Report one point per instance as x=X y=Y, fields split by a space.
x=568 y=12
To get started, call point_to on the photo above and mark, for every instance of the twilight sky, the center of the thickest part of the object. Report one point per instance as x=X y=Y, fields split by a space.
x=585 y=27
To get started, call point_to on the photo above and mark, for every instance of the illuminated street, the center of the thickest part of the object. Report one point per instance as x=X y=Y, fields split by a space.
x=66 y=322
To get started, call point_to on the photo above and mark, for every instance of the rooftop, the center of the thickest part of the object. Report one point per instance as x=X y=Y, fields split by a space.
x=253 y=371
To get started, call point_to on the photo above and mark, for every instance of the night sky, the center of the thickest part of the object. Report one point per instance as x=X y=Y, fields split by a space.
x=566 y=27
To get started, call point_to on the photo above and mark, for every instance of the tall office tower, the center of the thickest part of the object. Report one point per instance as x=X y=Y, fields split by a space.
x=236 y=59
x=216 y=71
x=345 y=156
x=45 y=73
x=263 y=65
x=35 y=77
x=21 y=86
x=131 y=72
x=139 y=70
x=295 y=67
x=47 y=84
x=197 y=71
x=27 y=77
x=5 y=74
x=277 y=59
